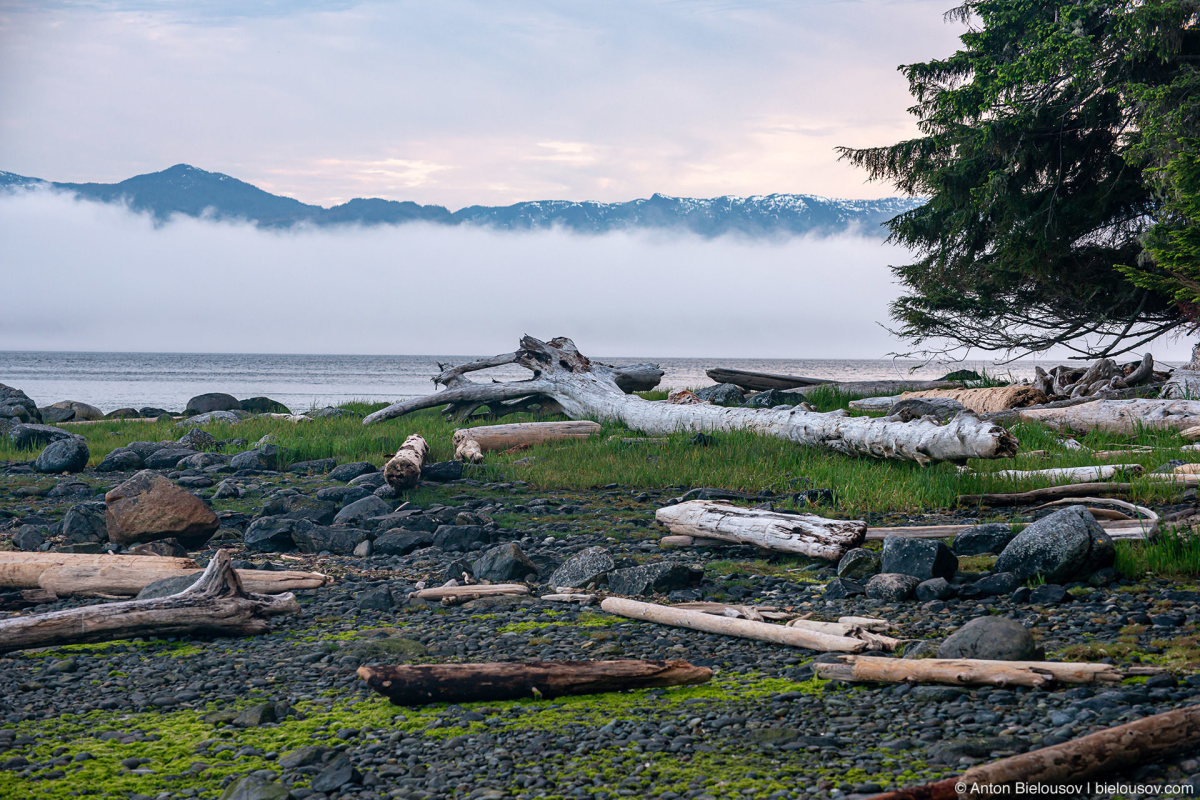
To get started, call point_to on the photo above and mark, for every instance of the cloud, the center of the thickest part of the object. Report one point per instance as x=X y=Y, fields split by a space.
x=87 y=276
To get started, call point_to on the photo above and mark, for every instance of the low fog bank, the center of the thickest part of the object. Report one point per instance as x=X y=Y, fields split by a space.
x=87 y=276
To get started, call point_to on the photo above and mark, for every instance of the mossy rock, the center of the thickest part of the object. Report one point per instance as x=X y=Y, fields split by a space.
x=393 y=648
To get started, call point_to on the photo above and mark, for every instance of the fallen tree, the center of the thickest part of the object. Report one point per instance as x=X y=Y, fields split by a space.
x=761 y=381
x=590 y=390
x=1067 y=474
x=1117 y=416
x=471 y=443
x=403 y=471
x=470 y=590
x=968 y=671
x=415 y=685
x=805 y=534
x=216 y=604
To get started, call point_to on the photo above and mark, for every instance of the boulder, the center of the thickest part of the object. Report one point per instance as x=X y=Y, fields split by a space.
x=892 y=586
x=359 y=511
x=506 y=563
x=377 y=598
x=84 y=523
x=772 y=398
x=300 y=507
x=459 y=538
x=261 y=458
x=196 y=439
x=144 y=449
x=858 y=563
x=1001 y=583
x=336 y=774
x=202 y=460
x=123 y=413
x=841 y=588
x=658 y=578
x=348 y=472
x=1068 y=545
x=342 y=495
x=993 y=638
x=409 y=519
x=921 y=558
x=270 y=535
x=723 y=394
x=65 y=455
x=163 y=547
x=983 y=539
x=153 y=412
x=165 y=587
x=586 y=566
x=255 y=787
x=75 y=409
x=148 y=507
x=941 y=409
x=52 y=415
x=120 y=460
x=310 y=538
x=1049 y=594
x=27 y=436
x=369 y=481
x=166 y=458
x=212 y=401
x=442 y=471
x=319 y=465
x=15 y=404
x=263 y=405
x=400 y=542
x=29 y=537
x=934 y=589
x=330 y=412
x=212 y=418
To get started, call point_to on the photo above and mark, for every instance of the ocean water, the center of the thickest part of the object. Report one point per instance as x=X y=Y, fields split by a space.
x=167 y=380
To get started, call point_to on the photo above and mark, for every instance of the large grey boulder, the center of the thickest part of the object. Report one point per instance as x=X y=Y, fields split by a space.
x=460 y=538
x=212 y=417
x=921 y=558
x=657 y=578
x=723 y=394
x=67 y=410
x=858 y=563
x=993 y=638
x=341 y=541
x=348 y=472
x=504 y=563
x=212 y=401
x=583 y=568
x=65 y=455
x=359 y=511
x=979 y=540
x=1065 y=546
x=84 y=523
x=401 y=542
x=166 y=458
x=260 y=458
x=120 y=460
x=264 y=405
x=15 y=404
x=196 y=439
x=892 y=586
x=27 y=436
x=270 y=535
x=255 y=787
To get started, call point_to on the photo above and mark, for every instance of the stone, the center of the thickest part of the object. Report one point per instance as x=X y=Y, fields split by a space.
x=255 y=787
x=892 y=586
x=330 y=412
x=15 y=404
x=841 y=588
x=1048 y=594
x=858 y=563
x=256 y=715
x=1001 y=583
x=260 y=458
x=29 y=538
x=348 y=472
x=212 y=418
x=300 y=507
x=69 y=488
x=123 y=413
x=270 y=535
x=505 y=563
x=144 y=449
x=152 y=412
x=364 y=549
x=318 y=465
x=162 y=547
x=165 y=587
x=442 y=471
x=85 y=523
x=202 y=461
x=53 y=415
x=369 y=481
x=310 y=538
x=27 y=436
x=658 y=578
x=336 y=774
x=1064 y=546
x=723 y=394
x=212 y=401
x=941 y=409
x=921 y=649
x=65 y=455
x=772 y=398
x=934 y=589
x=342 y=495
x=583 y=568
x=166 y=458
x=400 y=542
x=120 y=460
x=921 y=558
x=983 y=539
x=302 y=756
x=377 y=598
x=359 y=511
x=226 y=489
x=263 y=405
x=459 y=538
x=994 y=638
x=148 y=507
x=197 y=439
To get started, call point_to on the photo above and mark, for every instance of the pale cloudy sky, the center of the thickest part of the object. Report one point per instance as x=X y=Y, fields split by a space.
x=464 y=101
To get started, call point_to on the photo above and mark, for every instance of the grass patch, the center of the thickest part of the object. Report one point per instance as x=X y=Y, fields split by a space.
x=1173 y=553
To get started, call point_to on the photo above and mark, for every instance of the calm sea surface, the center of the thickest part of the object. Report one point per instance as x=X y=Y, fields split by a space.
x=166 y=380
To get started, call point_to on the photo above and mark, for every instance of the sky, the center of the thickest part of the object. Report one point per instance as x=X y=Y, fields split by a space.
x=461 y=102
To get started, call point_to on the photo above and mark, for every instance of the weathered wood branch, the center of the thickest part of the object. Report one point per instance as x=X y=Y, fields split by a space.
x=216 y=604
x=1117 y=416
x=414 y=685
x=761 y=381
x=476 y=589
x=1035 y=496
x=966 y=671
x=806 y=534
x=1067 y=474
x=588 y=390
x=403 y=471
x=503 y=437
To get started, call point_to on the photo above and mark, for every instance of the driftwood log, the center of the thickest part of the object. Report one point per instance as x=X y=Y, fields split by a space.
x=416 y=685
x=104 y=575
x=1124 y=747
x=1118 y=416
x=967 y=671
x=894 y=387
x=1067 y=474
x=805 y=534
x=487 y=438
x=995 y=398
x=216 y=604
x=473 y=590
x=744 y=628
x=403 y=471
x=590 y=390
x=761 y=381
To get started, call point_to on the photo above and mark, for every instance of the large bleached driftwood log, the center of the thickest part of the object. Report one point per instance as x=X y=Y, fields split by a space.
x=761 y=381
x=1067 y=474
x=1117 y=416
x=403 y=471
x=806 y=534
x=415 y=685
x=967 y=671
x=216 y=604
x=523 y=434
x=471 y=590
x=590 y=390
x=103 y=575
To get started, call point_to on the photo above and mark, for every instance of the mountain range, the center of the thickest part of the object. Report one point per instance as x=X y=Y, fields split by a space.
x=193 y=192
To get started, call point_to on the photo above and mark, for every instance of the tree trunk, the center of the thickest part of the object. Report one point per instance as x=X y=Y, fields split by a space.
x=1066 y=474
x=744 y=628
x=806 y=534
x=476 y=589
x=505 y=437
x=215 y=605
x=1117 y=416
x=761 y=381
x=589 y=390
x=468 y=451
x=415 y=685
x=966 y=671
x=403 y=471
x=892 y=388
